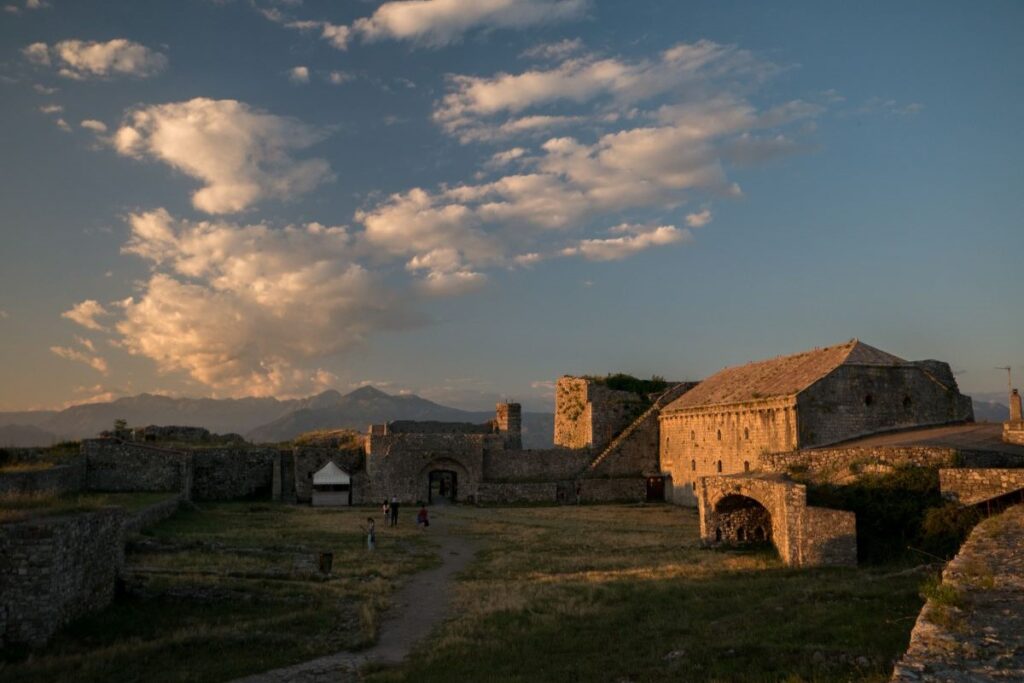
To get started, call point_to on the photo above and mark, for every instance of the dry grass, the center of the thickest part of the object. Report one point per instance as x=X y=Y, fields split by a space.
x=37 y=466
x=617 y=593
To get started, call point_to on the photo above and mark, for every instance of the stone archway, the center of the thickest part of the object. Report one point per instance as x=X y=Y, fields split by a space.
x=443 y=479
x=741 y=520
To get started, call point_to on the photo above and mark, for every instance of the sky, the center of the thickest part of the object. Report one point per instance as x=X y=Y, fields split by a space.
x=468 y=198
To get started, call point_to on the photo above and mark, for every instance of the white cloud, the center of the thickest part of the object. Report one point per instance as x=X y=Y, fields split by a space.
x=78 y=59
x=438 y=22
x=699 y=219
x=63 y=125
x=634 y=239
x=87 y=356
x=43 y=90
x=85 y=313
x=94 y=125
x=249 y=309
x=242 y=154
x=36 y=4
x=558 y=50
x=51 y=108
x=446 y=274
x=299 y=74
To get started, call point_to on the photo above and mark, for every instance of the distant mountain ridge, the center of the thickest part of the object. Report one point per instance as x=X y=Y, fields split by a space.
x=258 y=419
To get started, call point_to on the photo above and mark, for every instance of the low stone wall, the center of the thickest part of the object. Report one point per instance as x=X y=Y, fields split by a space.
x=843 y=465
x=972 y=486
x=228 y=473
x=61 y=479
x=632 y=489
x=980 y=636
x=517 y=492
x=114 y=466
x=53 y=570
x=828 y=538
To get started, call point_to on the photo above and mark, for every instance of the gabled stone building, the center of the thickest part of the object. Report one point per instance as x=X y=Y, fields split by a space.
x=809 y=399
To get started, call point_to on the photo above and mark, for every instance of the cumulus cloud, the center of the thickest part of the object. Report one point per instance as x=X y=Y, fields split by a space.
x=438 y=22
x=446 y=274
x=250 y=309
x=242 y=155
x=86 y=314
x=51 y=108
x=557 y=50
x=79 y=59
x=338 y=77
x=299 y=74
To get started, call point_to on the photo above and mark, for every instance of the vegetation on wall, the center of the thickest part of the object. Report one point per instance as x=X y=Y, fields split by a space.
x=899 y=513
x=622 y=382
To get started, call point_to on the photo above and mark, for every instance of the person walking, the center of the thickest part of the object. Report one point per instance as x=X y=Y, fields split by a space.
x=394 y=510
x=422 y=518
x=386 y=511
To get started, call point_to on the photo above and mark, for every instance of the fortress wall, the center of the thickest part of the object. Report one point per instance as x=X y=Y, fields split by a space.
x=858 y=400
x=61 y=479
x=588 y=415
x=631 y=489
x=518 y=492
x=227 y=473
x=539 y=465
x=971 y=486
x=308 y=460
x=115 y=466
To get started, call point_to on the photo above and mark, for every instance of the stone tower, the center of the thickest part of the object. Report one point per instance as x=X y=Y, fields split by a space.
x=509 y=418
x=1016 y=415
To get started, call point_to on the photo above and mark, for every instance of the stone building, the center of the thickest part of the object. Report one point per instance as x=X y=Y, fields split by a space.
x=1013 y=429
x=824 y=396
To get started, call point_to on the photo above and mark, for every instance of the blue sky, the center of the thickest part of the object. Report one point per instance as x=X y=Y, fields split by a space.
x=272 y=198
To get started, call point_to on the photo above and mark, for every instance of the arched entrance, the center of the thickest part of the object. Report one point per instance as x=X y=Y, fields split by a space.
x=739 y=520
x=443 y=486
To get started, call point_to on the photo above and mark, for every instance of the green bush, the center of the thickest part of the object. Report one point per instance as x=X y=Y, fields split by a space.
x=945 y=528
x=622 y=382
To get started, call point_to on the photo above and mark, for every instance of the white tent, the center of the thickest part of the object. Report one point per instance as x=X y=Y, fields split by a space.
x=331 y=486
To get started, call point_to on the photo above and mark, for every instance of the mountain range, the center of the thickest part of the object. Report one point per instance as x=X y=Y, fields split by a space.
x=260 y=420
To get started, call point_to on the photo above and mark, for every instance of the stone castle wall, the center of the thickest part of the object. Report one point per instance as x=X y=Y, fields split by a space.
x=855 y=400
x=306 y=461
x=588 y=415
x=228 y=473
x=518 y=492
x=716 y=440
x=970 y=486
x=117 y=466
x=55 y=569
x=536 y=465
x=67 y=477
x=1013 y=432
x=400 y=464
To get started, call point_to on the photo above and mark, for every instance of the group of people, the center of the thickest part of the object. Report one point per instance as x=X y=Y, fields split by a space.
x=390 y=511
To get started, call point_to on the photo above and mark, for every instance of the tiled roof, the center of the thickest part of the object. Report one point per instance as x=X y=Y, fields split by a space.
x=782 y=376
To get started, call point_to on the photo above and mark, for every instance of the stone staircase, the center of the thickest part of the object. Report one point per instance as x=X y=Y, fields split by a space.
x=669 y=395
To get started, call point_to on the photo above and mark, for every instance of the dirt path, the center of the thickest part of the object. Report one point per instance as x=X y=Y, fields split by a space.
x=420 y=606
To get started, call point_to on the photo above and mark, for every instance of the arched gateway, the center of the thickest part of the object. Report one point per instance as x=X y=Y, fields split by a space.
x=441 y=480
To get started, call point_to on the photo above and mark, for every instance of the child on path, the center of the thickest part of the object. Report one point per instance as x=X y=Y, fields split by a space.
x=371 y=534
x=421 y=517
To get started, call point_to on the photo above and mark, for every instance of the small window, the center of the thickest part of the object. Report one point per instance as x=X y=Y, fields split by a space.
x=719 y=434
x=869 y=399
x=693 y=465
x=719 y=466
x=907 y=402
x=668 y=440
x=693 y=435
x=746 y=434
x=746 y=465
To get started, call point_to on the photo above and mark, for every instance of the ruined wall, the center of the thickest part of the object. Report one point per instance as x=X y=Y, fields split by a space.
x=64 y=478
x=828 y=538
x=227 y=473
x=588 y=415
x=804 y=536
x=699 y=442
x=53 y=570
x=120 y=466
x=972 y=486
x=509 y=421
x=1013 y=432
x=856 y=400
x=983 y=641
x=624 y=489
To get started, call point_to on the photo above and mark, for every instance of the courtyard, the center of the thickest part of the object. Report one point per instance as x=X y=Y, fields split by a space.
x=549 y=593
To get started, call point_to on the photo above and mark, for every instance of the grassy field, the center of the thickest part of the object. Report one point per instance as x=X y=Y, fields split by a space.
x=592 y=593
x=16 y=505
x=622 y=593
x=233 y=589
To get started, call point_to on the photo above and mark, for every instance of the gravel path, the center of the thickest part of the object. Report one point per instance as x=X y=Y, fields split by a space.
x=420 y=606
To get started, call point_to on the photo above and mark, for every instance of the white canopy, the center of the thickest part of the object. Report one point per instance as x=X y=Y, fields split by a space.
x=331 y=474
